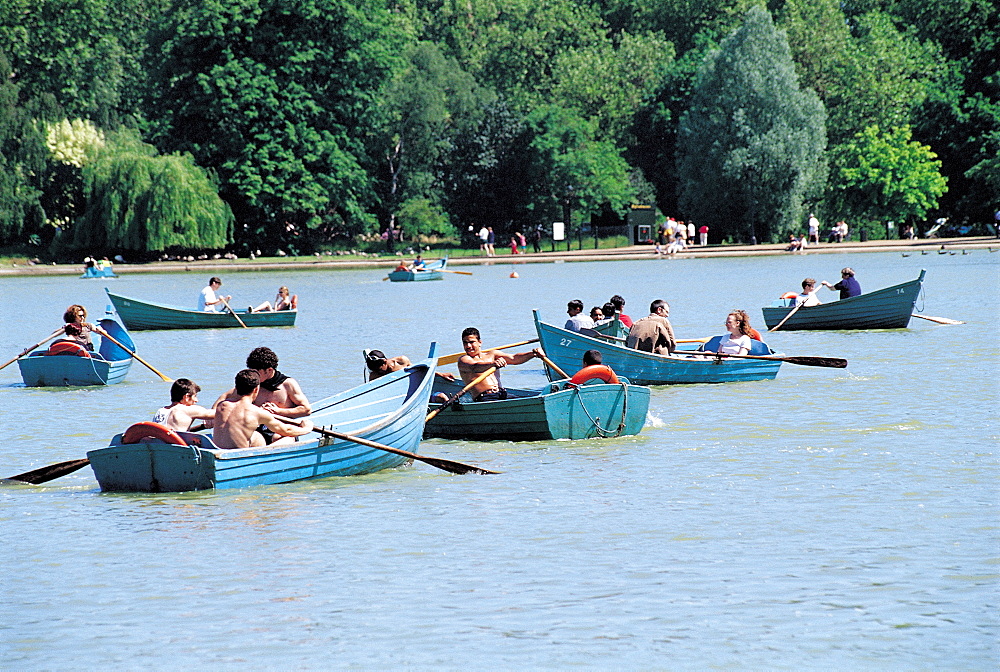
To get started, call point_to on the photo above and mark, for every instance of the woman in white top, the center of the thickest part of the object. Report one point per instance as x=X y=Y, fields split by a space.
x=737 y=341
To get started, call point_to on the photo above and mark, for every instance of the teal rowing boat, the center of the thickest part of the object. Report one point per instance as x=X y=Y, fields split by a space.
x=889 y=308
x=137 y=314
x=556 y=411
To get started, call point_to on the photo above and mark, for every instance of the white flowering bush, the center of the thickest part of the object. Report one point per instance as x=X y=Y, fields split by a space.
x=73 y=142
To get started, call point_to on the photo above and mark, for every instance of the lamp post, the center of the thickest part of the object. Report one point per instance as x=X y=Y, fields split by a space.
x=567 y=203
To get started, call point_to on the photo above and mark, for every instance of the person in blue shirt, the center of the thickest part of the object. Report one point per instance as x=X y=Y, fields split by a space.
x=848 y=286
x=418 y=264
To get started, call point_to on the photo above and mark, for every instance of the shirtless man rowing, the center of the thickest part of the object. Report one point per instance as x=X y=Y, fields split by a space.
x=278 y=393
x=474 y=362
x=237 y=419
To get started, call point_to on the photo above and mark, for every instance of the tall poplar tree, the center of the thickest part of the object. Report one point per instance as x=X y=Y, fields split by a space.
x=751 y=145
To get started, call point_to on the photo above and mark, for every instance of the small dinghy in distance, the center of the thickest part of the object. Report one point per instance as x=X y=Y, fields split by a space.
x=66 y=364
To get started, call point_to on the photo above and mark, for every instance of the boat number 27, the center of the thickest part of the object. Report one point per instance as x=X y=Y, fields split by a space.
x=564 y=342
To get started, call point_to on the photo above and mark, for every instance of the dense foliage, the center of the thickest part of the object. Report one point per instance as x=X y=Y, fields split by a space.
x=296 y=123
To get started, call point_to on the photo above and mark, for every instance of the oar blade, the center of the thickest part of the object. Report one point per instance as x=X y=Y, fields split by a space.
x=50 y=472
x=829 y=362
x=455 y=467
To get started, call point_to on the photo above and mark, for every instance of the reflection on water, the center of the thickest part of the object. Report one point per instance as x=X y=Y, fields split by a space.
x=828 y=518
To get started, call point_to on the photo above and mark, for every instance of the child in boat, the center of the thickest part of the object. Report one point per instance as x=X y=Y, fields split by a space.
x=182 y=410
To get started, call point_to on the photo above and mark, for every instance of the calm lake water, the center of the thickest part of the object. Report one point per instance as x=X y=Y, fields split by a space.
x=831 y=518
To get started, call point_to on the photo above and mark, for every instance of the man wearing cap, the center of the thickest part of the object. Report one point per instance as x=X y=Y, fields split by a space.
x=379 y=365
x=848 y=286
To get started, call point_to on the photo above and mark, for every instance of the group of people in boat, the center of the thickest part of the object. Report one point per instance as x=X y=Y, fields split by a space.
x=264 y=408
x=848 y=287
x=211 y=301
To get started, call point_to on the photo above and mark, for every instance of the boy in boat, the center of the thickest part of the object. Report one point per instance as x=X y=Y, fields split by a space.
x=474 y=362
x=183 y=409
x=379 y=365
x=237 y=419
x=278 y=393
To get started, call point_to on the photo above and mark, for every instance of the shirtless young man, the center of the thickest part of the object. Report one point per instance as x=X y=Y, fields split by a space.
x=183 y=409
x=474 y=362
x=237 y=420
x=278 y=393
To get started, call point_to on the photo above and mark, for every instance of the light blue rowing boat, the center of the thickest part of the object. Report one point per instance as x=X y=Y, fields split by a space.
x=565 y=348
x=71 y=365
x=390 y=410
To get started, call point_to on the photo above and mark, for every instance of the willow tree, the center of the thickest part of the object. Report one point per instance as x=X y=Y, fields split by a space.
x=751 y=145
x=137 y=200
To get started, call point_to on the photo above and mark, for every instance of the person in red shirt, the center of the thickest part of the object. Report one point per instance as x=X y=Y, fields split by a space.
x=619 y=304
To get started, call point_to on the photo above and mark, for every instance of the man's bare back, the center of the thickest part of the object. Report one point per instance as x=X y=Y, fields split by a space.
x=237 y=417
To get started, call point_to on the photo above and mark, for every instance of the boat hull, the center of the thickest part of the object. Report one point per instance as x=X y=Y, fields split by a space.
x=889 y=308
x=390 y=410
x=42 y=370
x=140 y=315
x=94 y=272
x=432 y=271
x=565 y=348
x=556 y=412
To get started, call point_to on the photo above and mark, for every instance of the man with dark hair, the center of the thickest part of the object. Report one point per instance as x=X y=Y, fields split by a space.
x=208 y=300
x=577 y=320
x=475 y=361
x=379 y=365
x=183 y=409
x=593 y=358
x=653 y=333
x=278 y=393
x=237 y=418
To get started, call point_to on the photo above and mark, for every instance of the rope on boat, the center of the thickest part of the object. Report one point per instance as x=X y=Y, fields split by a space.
x=601 y=432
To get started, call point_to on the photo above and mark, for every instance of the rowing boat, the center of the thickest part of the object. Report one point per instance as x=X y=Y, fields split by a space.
x=137 y=314
x=889 y=308
x=97 y=272
x=389 y=410
x=556 y=411
x=431 y=271
x=565 y=348
x=76 y=366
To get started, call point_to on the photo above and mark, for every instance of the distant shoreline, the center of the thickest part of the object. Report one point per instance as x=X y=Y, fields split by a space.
x=916 y=246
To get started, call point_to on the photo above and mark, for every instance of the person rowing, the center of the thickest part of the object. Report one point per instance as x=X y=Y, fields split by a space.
x=475 y=362
x=238 y=419
x=278 y=393
x=78 y=314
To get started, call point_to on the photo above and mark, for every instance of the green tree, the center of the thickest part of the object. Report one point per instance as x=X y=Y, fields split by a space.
x=278 y=97
x=886 y=176
x=751 y=144
x=23 y=157
x=430 y=105
x=140 y=201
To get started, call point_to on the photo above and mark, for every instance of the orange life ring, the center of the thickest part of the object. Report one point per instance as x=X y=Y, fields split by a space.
x=68 y=348
x=599 y=371
x=789 y=295
x=152 y=430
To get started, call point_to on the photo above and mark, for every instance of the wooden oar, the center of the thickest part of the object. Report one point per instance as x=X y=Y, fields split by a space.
x=939 y=320
x=27 y=350
x=790 y=313
x=440 y=463
x=829 y=362
x=233 y=312
x=451 y=359
x=445 y=270
x=49 y=473
x=552 y=366
x=137 y=357
x=451 y=400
